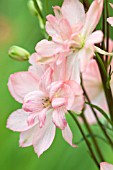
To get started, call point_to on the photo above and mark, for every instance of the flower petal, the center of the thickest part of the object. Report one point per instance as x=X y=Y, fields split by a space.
x=19 y=84
x=59 y=118
x=58 y=102
x=17 y=121
x=46 y=79
x=73 y=11
x=72 y=68
x=54 y=87
x=106 y=166
x=97 y=49
x=44 y=136
x=92 y=17
x=110 y=21
x=84 y=56
x=26 y=137
x=94 y=38
x=67 y=135
x=33 y=101
x=47 y=48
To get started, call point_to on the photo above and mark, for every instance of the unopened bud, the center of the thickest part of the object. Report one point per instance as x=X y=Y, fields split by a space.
x=18 y=53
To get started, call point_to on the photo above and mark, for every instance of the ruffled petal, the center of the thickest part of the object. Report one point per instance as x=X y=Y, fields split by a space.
x=44 y=136
x=54 y=87
x=33 y=101
x=19 y=84
x=58 y=102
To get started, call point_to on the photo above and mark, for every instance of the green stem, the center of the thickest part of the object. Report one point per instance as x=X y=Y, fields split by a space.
x=95 y=114
x=39 y=11
x=107 y=29
x=93 y=139
x=107 y=88
x=85 y=138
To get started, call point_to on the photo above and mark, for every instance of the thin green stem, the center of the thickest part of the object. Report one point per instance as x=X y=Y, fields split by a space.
x=85 y=138
x=39 y=11
x=107 y=29
x=93 y=138
x=106 y=86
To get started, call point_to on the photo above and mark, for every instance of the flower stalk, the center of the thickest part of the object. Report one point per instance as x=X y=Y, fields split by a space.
x=85 y=138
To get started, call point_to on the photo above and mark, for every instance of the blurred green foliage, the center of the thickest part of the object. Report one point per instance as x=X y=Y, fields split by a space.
x=19 y=27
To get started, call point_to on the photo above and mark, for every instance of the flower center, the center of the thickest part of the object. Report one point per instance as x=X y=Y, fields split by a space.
x=46 y=102
x=77 y=43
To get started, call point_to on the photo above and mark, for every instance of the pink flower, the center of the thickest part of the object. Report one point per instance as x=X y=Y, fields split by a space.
x=44 y=105
x=106 y=166
x=71 y=31
x=110 y=19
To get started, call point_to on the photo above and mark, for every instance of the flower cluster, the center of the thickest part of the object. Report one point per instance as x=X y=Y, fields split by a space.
x=52 y=85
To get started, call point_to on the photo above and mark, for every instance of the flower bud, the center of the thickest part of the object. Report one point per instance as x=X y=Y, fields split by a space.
x=18 y=53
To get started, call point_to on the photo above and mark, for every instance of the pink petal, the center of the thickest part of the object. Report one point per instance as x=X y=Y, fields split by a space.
x=42 y=117
x=52 y=25
x=84 y=56
x=58 y=102
x=72 y=68
x=17 y=121
x=75 y=87
x=73 y=11
x=59 y=118
x=33 y=101
x=92 y=80
x=59 y=71
x=78 y=104
x=57 y=11
x=26 y=137
x=110 y=21
x=19 y=85
x=68 y=136
x=46 y=79
x=92 y=17
x=54 y=87
x=61 y=28
x=44 y=136
x=47 y=48
x=94 y=38
x=106 y=166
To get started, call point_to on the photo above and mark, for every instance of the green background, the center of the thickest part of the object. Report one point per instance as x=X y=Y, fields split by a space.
x=19 y=27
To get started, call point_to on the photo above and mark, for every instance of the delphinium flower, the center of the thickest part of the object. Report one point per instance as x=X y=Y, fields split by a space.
x=110 y=19
x=106 y=166
x=44 y=105
x=72 y=36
